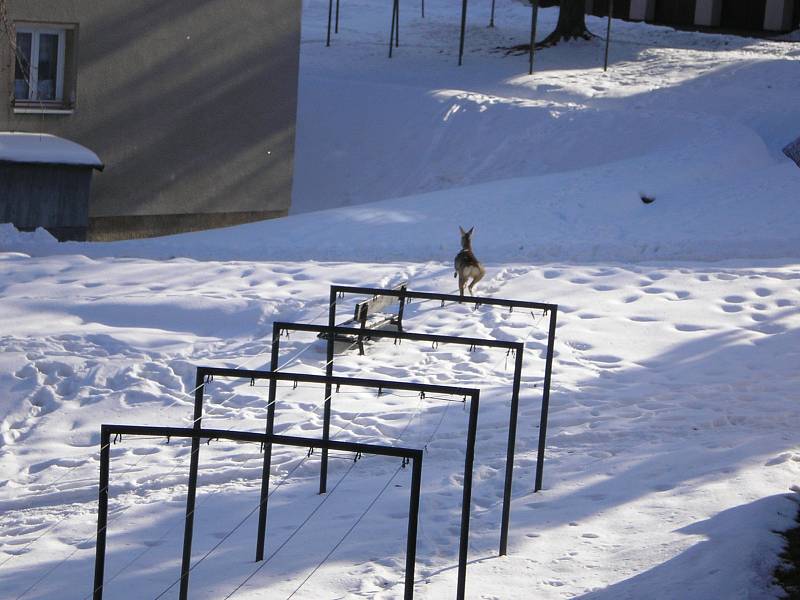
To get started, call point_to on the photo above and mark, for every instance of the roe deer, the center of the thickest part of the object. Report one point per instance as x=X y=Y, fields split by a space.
x=466 y=265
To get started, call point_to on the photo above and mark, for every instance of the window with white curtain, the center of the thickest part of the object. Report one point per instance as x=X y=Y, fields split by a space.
x=41 y=65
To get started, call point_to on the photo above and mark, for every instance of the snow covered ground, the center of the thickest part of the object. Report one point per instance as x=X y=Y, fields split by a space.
x=673 y=433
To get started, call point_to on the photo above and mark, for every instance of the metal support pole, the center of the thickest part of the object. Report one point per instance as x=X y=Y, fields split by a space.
x=330 y=11
x=548 y=372
x=463 y=29
x=608 y=32
x=391 y=31
x=191 y=493
x=102 y=515
x=466 y=500
x=267 y=464
x=512 y=440
x=326 y=418
x=401 y=310
x=423 y=8
x=336 y=30
x=362 y=318
x=397 y=25
x=491 y=17
x=413 y=518
x=534 y=19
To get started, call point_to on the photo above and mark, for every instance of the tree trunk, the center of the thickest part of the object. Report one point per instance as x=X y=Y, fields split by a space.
x=571 y=23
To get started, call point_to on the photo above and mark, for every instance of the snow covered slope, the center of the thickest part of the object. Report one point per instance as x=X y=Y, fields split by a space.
x=672 y=440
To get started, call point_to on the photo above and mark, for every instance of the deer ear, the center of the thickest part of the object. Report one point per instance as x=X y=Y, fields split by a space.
x=471 y=230
x=461 y=229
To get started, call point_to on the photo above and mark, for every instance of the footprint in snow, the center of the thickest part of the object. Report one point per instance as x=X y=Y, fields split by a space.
x=731 y=308
x=688 y=327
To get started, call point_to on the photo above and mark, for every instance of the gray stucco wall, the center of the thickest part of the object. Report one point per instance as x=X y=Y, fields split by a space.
x=191 y=105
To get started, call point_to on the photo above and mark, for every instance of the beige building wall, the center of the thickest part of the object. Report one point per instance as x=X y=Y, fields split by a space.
x=191 y=105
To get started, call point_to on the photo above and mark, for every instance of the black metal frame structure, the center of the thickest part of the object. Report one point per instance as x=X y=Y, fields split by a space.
x=334 y=331
x=394 y=32
x=106 y=431
x=338 y=291
x=274 y=376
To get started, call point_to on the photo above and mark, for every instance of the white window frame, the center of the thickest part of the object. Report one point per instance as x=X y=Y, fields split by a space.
x=33 y=84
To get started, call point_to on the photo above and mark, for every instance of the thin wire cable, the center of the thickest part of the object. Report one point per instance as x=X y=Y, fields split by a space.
x=225 y=537
x=81 y=543
x=205 y=499
x=202 y=502
x=118 y=514
x=289 y=538
x=162 y=409
x=375 y=499
x=129 y=470
x=347 y=533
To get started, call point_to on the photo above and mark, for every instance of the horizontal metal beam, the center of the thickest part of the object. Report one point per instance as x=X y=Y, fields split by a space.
x=399 y=335
x=253 y=436
x=346 y=289
x=385 y=384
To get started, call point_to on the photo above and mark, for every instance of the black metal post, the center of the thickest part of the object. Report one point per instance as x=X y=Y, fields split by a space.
x=326 y=417
x=391 y=31
x=191 y=493
x=267 y=463
x=548 y=372
x=512 y=440
x=402 y=309
x=362 y=319
x=336 y=30
x=102 y=514
x=491 y=17
x=466 y=500
x=423 y=9
x=463 y=29
x=608 y=32
x=413 y=518
x=330 y=11
x=397 y=25
x=534 y=20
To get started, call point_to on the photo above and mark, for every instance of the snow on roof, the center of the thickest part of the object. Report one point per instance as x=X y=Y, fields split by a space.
x=44 y=148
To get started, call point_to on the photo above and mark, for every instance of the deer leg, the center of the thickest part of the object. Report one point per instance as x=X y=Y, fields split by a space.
x=475 y=280
x=461 y=281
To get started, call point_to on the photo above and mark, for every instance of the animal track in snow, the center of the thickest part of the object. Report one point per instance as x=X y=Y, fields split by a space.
x=731 y=308
x=688 y=327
